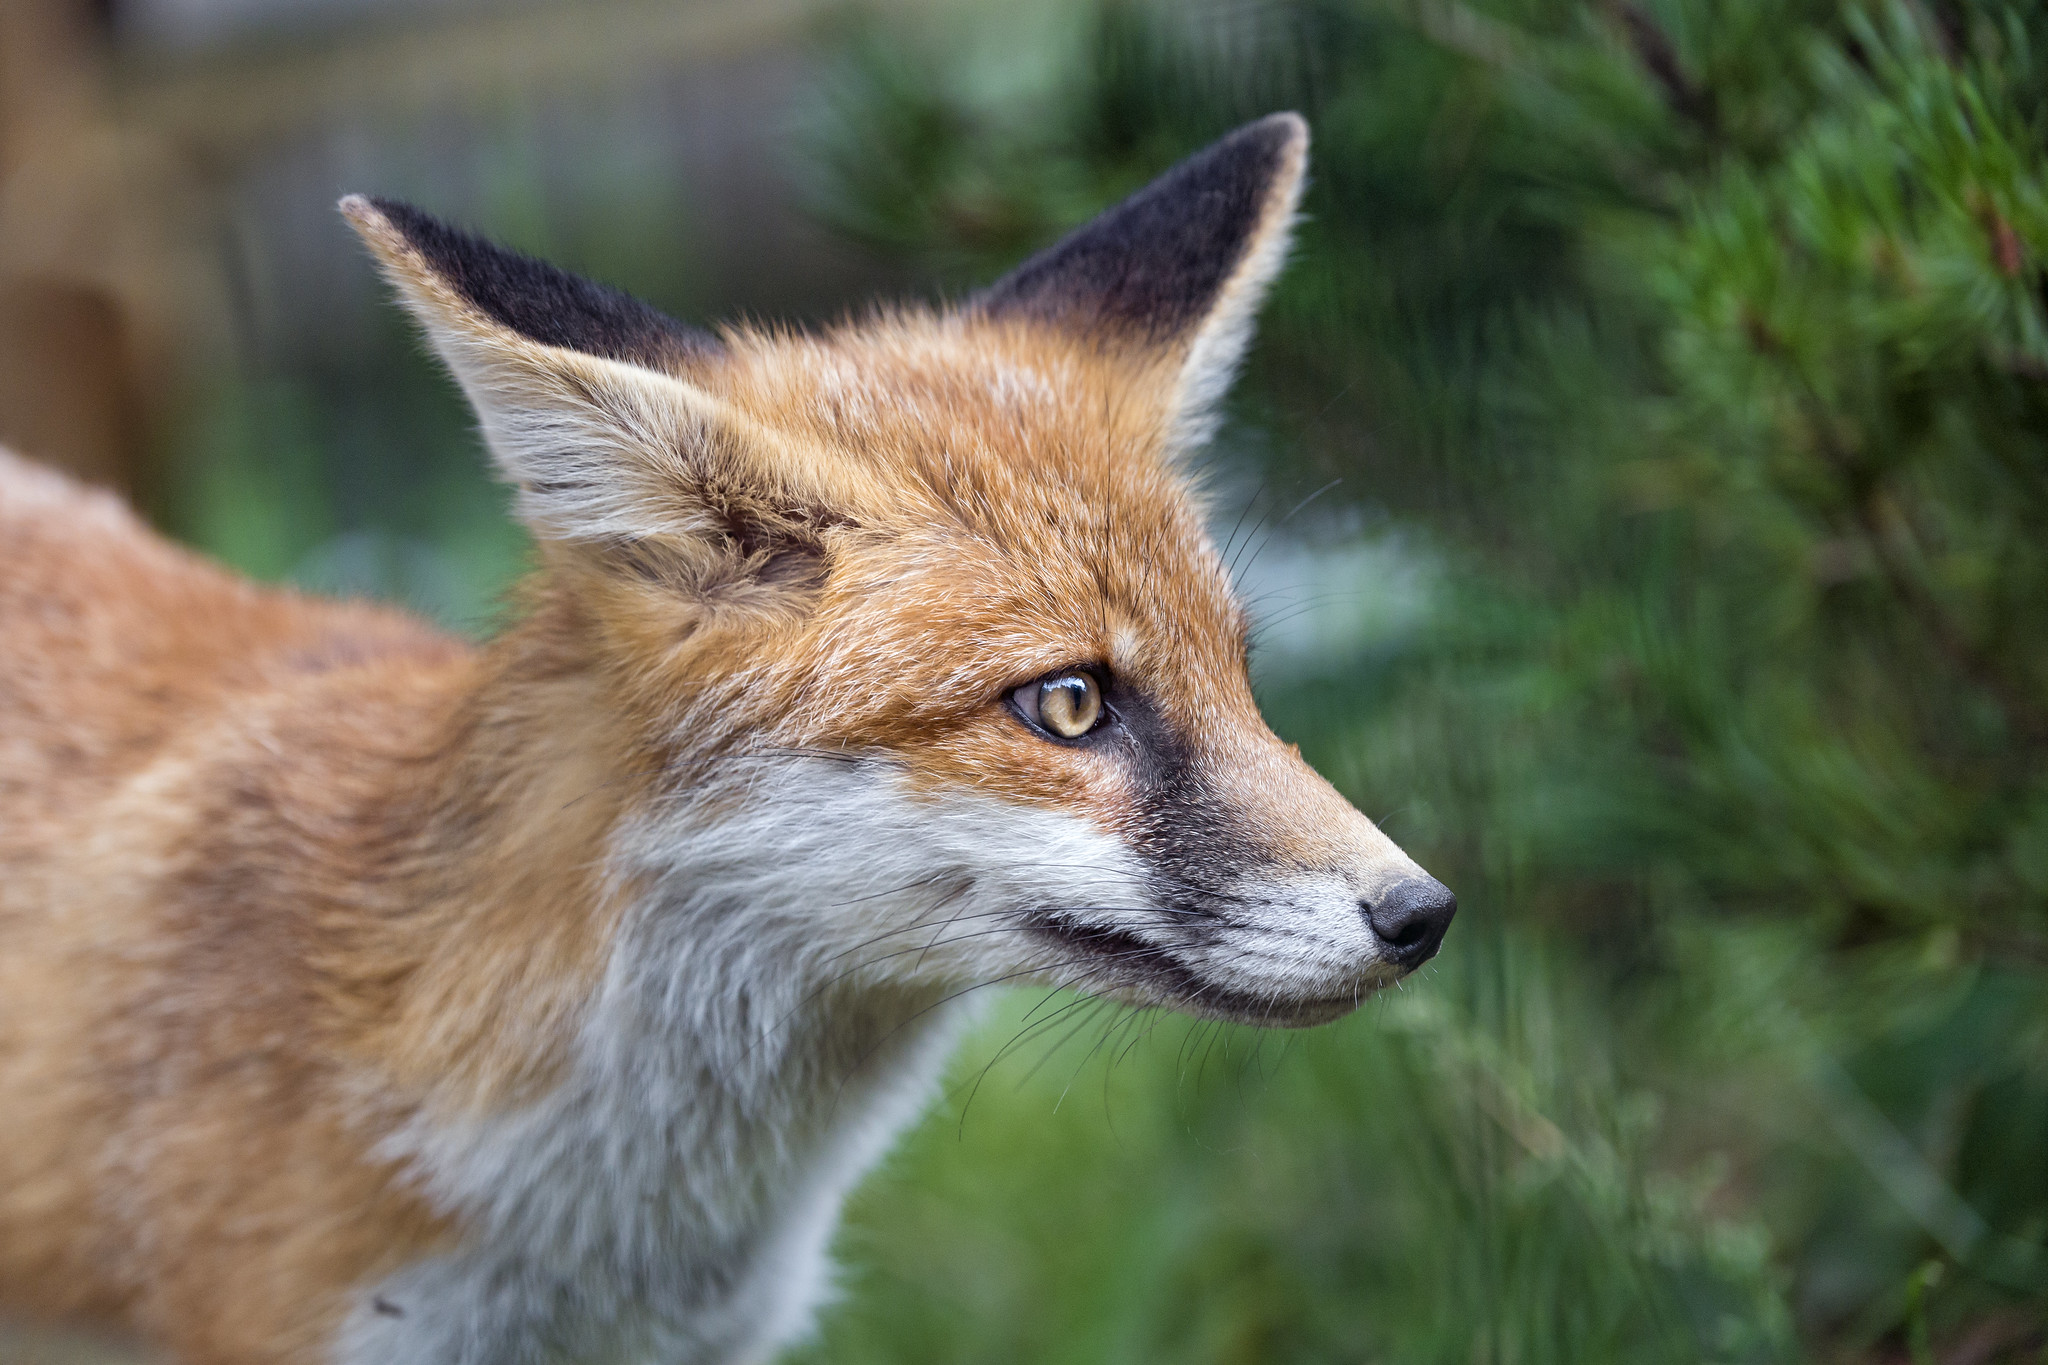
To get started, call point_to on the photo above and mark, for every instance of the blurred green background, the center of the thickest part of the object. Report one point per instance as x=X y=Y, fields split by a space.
x=1641 y=481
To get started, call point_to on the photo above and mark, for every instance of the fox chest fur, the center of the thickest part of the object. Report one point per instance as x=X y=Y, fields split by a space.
x=366 y=996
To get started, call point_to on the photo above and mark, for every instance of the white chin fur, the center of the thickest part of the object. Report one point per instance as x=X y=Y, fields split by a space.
x=1296 y=940
x=778 y=1003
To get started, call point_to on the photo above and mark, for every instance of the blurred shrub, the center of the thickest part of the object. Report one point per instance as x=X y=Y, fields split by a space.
x=1703 y=344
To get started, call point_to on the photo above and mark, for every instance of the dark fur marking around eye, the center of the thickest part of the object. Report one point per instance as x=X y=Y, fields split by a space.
x=1190 y=837
x=1154 y=264
x=545 y=304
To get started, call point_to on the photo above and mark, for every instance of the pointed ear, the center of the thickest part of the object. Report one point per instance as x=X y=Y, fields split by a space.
x=459 y=273
x=1178 y=269
x=586 y=401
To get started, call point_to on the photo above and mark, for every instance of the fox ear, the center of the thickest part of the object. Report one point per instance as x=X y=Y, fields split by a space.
x=587 y=402
x=528 y=298
x=1178 y=269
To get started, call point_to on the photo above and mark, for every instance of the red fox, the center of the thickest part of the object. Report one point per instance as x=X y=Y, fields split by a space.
x=368 y=998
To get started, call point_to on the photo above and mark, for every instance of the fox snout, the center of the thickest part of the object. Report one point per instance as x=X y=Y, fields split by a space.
x=1205 y=866
x=1280 y=904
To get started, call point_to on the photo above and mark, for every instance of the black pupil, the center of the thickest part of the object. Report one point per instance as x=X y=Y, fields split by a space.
x=1065 y=704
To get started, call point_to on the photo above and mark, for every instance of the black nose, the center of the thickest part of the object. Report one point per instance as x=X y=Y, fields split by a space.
x=1410 y=918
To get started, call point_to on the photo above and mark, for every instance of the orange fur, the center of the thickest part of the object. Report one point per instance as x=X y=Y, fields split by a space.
x=280 y=876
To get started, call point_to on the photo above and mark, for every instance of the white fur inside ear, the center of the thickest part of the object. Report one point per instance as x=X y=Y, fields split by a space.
x=598 y=450
x=1224 y=336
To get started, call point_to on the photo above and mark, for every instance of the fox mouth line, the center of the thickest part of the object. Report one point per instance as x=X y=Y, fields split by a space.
x=1152 y=968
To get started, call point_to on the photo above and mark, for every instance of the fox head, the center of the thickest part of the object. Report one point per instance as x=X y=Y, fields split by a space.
x=936 y=674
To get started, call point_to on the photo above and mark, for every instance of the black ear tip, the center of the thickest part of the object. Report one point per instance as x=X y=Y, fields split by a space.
x=1273 y=141
x=533 y=298
x=1286 y=129
x=1273 y=149
x=1154 y=265
x=367 y=209
x=441 y=242
x=364 y=213
x=400 y=213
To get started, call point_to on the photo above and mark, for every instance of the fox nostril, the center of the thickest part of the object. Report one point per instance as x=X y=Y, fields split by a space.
x=1408 y=933
x=1410 y=918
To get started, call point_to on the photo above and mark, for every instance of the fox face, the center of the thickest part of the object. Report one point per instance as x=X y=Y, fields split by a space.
x=914 y=649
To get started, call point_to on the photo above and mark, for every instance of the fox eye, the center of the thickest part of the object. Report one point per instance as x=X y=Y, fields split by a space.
x=1067 y=704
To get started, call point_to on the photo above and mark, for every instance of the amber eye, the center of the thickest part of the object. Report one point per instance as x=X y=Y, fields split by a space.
x=1068 y=704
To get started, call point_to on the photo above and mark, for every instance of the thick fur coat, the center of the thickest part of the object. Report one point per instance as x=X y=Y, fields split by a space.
x=368 y=998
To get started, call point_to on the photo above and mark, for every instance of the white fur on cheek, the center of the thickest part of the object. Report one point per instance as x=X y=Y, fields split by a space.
x=774 y=1010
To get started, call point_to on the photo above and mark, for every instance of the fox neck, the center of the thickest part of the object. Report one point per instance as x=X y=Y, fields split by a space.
x=594 y=972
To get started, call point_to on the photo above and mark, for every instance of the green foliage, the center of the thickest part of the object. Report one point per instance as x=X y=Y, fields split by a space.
x=1703 y=344
x=1167 y=1191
